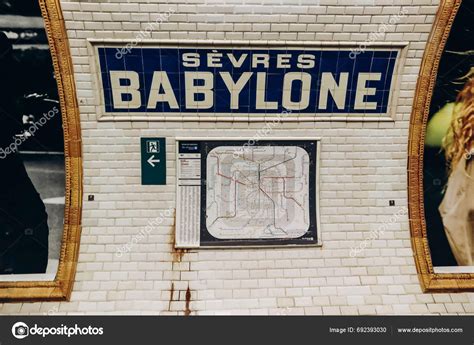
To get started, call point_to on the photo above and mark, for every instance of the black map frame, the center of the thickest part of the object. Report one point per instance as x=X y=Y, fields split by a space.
x=311 y=235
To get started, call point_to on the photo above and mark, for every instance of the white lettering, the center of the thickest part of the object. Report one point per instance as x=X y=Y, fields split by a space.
x=237 y=63
x=338 y=91
x=160 y=79
x=305 y=89
x=119 y=90
x=192 y=89
x=235 y=88
x=363 y=90
x=214 y=59
x=306 y=61
x=260 y=97
x=283 y=61
x=191 y=60
x=260 y=59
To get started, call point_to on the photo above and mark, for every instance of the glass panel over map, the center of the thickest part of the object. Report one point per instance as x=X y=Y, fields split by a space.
x=257 y=192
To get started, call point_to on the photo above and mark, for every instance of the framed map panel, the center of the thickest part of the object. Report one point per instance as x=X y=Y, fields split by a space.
x=247 y=192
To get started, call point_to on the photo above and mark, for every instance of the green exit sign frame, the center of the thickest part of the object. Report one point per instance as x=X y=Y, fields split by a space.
x=153 y=156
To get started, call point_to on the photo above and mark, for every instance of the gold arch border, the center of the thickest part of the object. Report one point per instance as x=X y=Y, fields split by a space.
x=430 y=281
x=61 y=287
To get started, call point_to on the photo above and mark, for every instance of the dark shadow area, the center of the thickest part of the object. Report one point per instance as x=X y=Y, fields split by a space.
x=455 y=63
x=31 y=143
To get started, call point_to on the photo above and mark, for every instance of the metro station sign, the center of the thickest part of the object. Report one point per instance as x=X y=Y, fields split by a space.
x=245 y=80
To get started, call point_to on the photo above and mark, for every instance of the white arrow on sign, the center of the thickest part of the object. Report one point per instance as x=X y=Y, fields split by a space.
x=152 y=161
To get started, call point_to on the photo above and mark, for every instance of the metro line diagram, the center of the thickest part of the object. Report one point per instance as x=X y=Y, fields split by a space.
x=260 y=192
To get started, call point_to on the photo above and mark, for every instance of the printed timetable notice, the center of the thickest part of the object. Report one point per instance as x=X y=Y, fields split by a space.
x=188 y=196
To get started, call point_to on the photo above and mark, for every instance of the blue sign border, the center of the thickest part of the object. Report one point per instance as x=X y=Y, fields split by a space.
x=144 y=61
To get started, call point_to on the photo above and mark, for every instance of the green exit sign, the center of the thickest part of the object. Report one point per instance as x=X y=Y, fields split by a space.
x=153 y=161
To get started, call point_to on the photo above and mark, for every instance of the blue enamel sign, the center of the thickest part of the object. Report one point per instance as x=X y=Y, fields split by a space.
x=152 y=80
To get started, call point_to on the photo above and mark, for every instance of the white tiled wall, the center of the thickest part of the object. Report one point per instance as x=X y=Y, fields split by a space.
x=363 y=166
